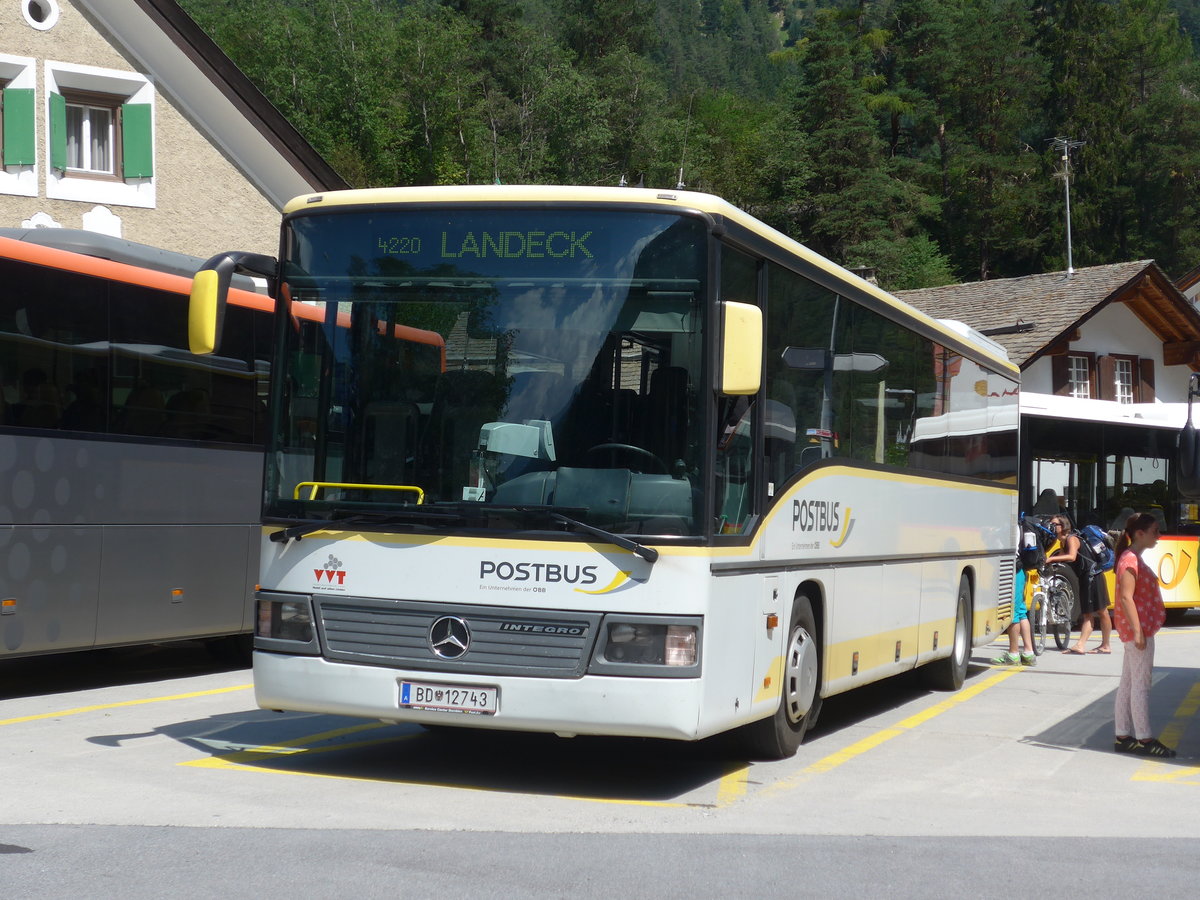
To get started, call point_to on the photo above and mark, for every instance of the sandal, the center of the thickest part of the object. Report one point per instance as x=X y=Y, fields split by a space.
x=1071 y=651
x=1103 y=651
x=1124 y=744
x=1152 y=747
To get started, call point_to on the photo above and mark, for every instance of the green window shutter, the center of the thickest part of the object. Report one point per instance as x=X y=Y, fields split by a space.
x=137 y=141
x=58 y=133
x=18 y=127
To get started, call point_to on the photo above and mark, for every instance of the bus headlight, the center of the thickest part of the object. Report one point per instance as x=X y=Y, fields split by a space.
x=282 y=619
x=639 y=642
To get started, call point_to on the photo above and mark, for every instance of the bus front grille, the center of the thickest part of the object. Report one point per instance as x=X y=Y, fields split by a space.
x=497 y=640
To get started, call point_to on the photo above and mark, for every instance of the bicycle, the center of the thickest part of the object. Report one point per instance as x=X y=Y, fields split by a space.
x=1050 y=606
x=1051 y=589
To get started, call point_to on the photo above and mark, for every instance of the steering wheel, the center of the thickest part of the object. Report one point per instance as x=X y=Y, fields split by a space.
x=631 y=449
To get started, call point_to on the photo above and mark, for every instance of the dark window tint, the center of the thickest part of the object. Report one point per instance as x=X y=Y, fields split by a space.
x=843 y=381
x=81 y=353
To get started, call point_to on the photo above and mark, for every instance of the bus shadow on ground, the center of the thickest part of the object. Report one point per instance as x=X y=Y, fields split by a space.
x=1172 y=709
x=630 y=769
x=600 y=768
x=58 y=673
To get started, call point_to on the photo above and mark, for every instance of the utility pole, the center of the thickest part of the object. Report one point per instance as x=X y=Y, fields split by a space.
x=1063 y=146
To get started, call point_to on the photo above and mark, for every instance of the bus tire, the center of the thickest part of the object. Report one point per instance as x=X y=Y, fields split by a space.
x=779 y=736
x=1177 y=615
x=948 y=674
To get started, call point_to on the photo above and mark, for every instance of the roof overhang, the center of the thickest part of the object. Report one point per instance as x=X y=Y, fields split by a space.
x=215 y=95
x=1158 y=305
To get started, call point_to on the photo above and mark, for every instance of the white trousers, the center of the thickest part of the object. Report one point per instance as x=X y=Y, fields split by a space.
x=1132 y=708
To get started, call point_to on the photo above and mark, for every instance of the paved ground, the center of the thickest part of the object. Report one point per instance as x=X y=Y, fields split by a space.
x=138 y=741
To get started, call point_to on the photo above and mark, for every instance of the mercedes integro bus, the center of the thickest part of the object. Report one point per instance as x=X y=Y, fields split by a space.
x=664 y=480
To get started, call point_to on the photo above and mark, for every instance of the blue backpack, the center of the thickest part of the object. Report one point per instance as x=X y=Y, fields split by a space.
x=1097 y=542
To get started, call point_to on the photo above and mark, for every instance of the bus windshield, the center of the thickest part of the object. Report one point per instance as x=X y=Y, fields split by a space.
x=492 y=367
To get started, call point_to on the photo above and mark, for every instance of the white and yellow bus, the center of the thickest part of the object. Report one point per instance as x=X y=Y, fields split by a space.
x=672 y=476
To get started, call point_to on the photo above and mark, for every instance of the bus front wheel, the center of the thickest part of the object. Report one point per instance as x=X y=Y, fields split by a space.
x=780 y=735
x=949 y=673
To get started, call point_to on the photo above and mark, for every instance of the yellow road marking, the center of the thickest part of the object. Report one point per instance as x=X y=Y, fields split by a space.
x=833 y=760
x=85 y=709
x=732 y=787
x=1171 y=736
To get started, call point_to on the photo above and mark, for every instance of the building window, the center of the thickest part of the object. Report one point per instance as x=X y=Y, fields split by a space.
x=1079 y=374
x=100 y=136
x=1124 y=380
x=91 y=139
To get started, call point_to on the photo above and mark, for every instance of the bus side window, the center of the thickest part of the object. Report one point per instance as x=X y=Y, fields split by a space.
x=802 y=314
x=735 y=464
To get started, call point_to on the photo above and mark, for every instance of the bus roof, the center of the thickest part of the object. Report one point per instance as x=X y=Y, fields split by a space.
x=667 y=200
x=103 y=246
x=1146 y=415
x=41 y=252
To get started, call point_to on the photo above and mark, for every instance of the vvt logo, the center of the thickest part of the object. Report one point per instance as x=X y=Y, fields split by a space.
x=332 y=572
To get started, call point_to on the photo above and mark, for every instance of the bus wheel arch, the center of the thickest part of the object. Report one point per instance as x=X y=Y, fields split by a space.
x=779 y=735
x=949 y=672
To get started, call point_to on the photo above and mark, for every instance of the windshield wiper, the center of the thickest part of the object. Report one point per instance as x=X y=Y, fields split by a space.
x=298 y=531
x=649 y=554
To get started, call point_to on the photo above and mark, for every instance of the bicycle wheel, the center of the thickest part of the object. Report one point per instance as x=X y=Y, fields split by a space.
x=1037 y=621
x=1062 y=624
x=1062 y=593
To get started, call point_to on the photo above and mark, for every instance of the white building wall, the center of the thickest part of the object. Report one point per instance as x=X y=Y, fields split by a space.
x=1115 y=329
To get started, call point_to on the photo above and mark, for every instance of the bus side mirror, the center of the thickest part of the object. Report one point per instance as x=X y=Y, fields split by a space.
x=210 y=291
x=741 y=348
x=205 y=306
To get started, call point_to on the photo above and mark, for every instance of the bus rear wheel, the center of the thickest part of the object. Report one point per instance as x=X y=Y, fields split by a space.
x=948 y=674
x=780 y=735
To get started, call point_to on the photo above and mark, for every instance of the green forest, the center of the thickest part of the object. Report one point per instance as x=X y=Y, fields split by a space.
x=917 y=137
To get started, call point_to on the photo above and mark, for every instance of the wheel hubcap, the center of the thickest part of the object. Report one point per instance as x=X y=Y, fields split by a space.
x=800 y=676
x=960 y=638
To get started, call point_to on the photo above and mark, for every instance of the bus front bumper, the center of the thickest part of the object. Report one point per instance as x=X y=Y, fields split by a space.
x=597 y=705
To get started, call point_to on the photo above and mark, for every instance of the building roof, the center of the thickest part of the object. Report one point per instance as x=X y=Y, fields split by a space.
x=1053 y=306
x=220 y=100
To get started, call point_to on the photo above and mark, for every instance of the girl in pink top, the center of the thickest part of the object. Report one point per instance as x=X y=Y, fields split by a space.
x=1139 y=613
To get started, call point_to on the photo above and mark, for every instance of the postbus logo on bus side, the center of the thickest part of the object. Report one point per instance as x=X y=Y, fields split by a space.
x=822 y=517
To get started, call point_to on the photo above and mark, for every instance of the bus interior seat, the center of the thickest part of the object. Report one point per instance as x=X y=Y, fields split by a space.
x=810 y=455
x=40 y=405
x=188 y=415
x=391 y=430
x=779 y=440
x=464 y=401
x=144 y=412
x=1046 y=504
x=666 y=417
